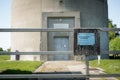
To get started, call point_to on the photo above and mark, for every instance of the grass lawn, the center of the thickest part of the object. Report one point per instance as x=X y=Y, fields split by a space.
x=18 y=67
x=4 y=57
x=109 y=66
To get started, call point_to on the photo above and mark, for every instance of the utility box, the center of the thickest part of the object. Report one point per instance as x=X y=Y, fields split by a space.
x=86 y=42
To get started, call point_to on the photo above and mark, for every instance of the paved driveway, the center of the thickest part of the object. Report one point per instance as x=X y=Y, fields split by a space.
x=62 y=66
x=69 y=67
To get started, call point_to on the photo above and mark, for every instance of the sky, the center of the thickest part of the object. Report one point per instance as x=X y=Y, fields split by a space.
x=114 y=11
x=5 y=18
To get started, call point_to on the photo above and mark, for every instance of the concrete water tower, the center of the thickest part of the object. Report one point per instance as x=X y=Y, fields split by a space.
x=55 y=14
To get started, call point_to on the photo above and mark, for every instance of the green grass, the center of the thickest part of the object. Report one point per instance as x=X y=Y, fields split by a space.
x=14 y=67
x=4 y=57
x=18 y=67
x=109 y=66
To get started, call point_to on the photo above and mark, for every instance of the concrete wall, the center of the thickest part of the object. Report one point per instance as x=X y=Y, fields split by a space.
x=26 y=14
x=29 y=14
x=93 y=12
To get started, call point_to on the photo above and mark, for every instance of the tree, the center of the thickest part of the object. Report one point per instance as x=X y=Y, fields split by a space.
x=114 y=44
x=1 y=49
x=8 y=50
x=111 y=33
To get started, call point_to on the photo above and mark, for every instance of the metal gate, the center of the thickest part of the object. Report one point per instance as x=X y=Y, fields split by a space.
x=87 y=76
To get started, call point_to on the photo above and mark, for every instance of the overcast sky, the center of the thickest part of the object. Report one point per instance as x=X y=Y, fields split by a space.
x=5 y=18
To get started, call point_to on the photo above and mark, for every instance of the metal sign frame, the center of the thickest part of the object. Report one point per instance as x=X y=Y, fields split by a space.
x=86 y=41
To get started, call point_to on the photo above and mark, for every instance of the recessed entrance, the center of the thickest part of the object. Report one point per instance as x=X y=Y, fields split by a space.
x=60 y=41
x=49 y=40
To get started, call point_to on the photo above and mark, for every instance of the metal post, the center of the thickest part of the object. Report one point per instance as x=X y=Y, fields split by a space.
x=87 y=66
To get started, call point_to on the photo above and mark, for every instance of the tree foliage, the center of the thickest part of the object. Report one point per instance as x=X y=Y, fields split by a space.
x=114 y=44
x=111 y=33
x=114 y=40
x=1 y=49
x=8 y=50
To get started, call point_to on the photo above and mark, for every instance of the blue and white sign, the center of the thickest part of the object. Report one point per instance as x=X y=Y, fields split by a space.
x=85 y=39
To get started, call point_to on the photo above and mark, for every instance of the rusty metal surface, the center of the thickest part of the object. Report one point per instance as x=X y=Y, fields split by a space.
x=87 y=49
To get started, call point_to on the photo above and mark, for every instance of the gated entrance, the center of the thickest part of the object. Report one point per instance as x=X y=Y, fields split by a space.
x=11 y=76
